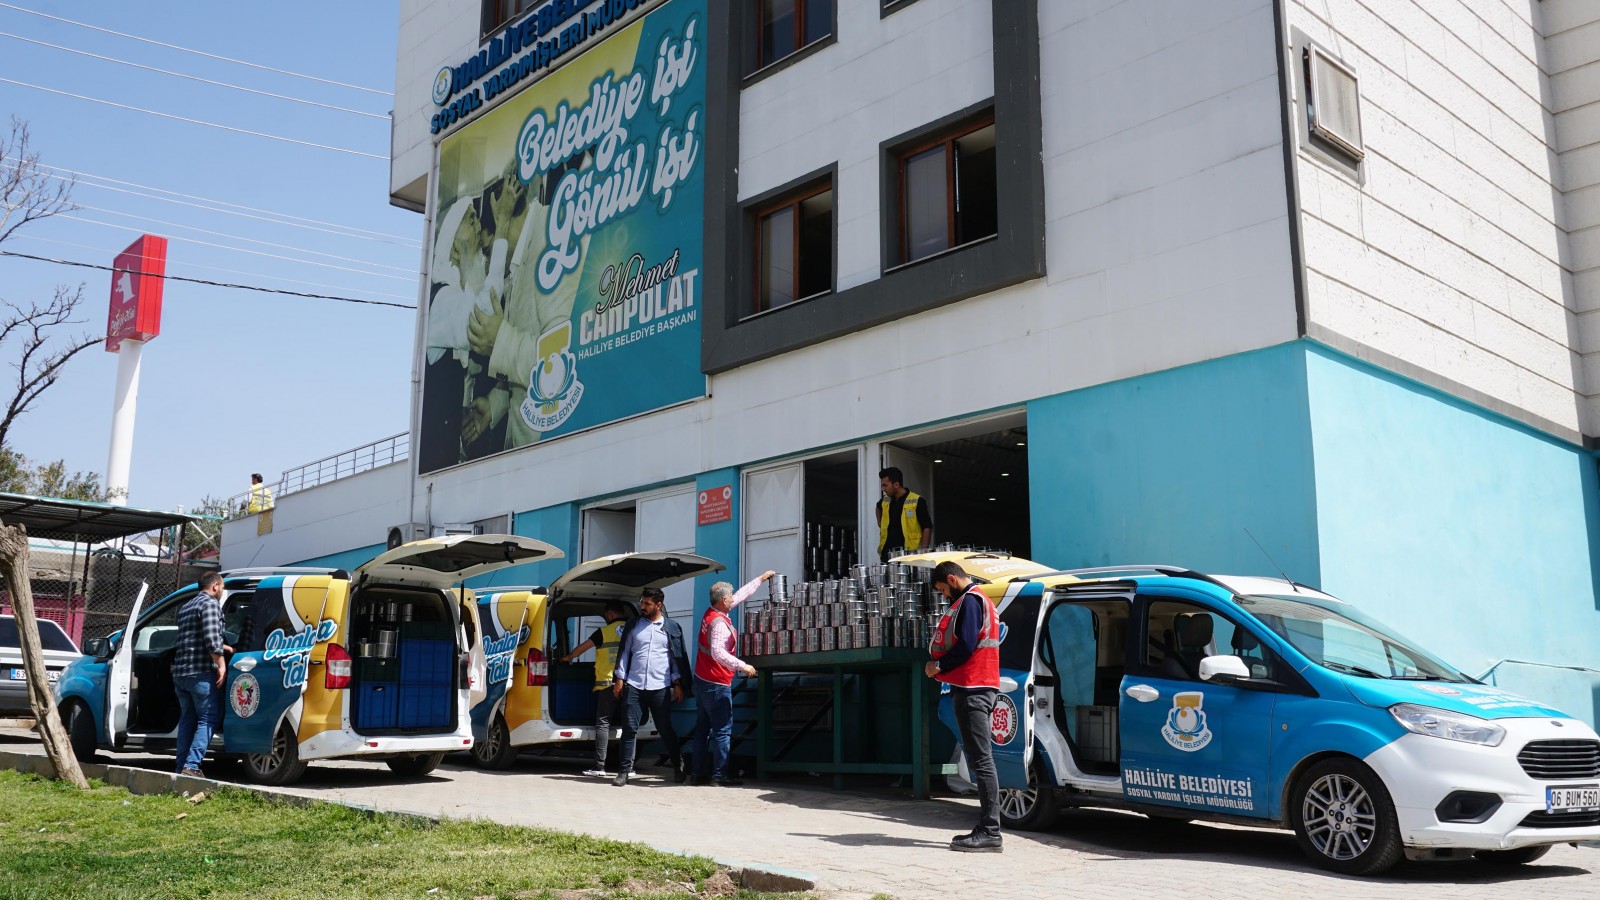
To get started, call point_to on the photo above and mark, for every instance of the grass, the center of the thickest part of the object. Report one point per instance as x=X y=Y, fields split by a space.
x=56 y=841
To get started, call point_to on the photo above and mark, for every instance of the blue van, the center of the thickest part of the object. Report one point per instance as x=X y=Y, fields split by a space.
x=1258 y=701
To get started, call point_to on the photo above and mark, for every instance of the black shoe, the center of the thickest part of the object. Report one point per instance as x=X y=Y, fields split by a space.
x=977 y=843
x=193 y=773
x=728 y=782
x=622 y=779
x=680 y=772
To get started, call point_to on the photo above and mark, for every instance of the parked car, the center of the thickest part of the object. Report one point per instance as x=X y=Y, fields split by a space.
x=534 y=701
x=1256 y=700
x=58 y=650
x=384 y=663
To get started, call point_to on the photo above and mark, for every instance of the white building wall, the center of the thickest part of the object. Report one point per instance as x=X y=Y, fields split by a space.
x=433 y=33
x=1449 y=257
x=1166 y=228
x=1571 y=30
x=341 y=515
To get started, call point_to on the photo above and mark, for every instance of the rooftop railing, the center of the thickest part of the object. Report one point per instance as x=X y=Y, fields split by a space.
x=391 y=449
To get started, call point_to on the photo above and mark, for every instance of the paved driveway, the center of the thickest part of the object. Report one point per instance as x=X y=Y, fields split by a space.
x=879 y=840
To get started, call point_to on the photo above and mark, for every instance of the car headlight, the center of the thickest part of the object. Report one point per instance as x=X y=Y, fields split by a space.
x=1452 y=726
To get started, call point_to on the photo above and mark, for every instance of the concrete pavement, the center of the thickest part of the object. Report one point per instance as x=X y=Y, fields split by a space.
x=879 y=840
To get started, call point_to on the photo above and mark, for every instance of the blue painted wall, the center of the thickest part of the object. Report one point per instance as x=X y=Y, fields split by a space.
x=1173 y=467
x=1465 y=531
x=719 y=542
x=347 y=560
x=556 y=525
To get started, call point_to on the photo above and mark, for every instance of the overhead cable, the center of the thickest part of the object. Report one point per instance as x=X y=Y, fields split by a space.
x=134 y=37
x=237 y=87
x=275 y=137
x=221 y=284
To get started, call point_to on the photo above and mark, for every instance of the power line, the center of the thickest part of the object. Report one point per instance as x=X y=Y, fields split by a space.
x=134 y=37
x=124 y=62
x=193 y=265
x=80 y=174
x=275 y=137
x=220 y=284
x=304 y=262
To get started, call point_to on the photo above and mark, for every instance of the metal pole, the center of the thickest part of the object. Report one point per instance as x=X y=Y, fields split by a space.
x=177 y=556
x=123 y=407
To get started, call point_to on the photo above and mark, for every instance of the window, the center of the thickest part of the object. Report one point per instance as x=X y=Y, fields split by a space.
x=947 y=191
x=1333 y=104
x=785 y=26
x=1180 y=635
x=794 y=248
x=499 y=12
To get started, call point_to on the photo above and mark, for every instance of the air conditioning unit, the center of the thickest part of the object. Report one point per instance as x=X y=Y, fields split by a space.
x=405 y=533
x=451 y=529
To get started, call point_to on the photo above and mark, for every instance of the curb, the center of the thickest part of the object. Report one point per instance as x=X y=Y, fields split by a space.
x=147 y=781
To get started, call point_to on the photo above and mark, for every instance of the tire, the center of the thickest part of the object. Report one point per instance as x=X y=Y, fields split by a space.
x=1033 y=809
x=495 y=750
x=281 y=766
x=1344 y=818
x=1518 y=857
x=80 y=732
x=415 y=764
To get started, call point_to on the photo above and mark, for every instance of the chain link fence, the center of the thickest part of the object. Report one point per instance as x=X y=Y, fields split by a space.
x=89 y=590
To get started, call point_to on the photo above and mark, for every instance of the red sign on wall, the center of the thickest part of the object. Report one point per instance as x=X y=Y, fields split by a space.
x=136 y=292
x=716 y=505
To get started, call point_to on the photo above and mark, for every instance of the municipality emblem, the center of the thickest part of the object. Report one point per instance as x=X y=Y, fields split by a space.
x=441 y=86
x=245 y=696
x=1186 y=727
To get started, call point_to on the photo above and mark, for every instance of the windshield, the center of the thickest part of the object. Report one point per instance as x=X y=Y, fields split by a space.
x=1337 y=636
x=51 y=637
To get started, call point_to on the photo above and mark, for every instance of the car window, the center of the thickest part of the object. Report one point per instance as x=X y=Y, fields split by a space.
x=159 y=632
x=1179 y=635
x=51 y=637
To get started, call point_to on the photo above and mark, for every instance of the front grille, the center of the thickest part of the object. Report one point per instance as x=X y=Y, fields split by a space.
x=1577 y=819
x=1561 y=760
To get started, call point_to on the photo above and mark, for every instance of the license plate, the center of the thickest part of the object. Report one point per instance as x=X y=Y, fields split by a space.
x=1572 y=799
x=22 y=675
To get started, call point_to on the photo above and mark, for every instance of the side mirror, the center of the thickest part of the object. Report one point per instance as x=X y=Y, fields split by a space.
x=99 y=648
x=1224 y=669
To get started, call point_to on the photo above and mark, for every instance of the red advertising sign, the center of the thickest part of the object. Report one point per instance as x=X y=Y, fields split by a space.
x=716 y=505
x=136 y=292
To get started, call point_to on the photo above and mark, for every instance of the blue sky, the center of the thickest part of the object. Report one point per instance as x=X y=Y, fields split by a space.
x=237 y=381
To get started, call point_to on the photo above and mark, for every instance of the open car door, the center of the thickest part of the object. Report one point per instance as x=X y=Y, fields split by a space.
x=119 y=677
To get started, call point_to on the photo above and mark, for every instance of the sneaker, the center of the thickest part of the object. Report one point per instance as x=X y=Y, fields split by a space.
x=977 y=843
x=622 y=779
x=193 y=773
x=596 y=773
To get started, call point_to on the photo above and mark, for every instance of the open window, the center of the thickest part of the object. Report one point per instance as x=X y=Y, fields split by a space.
x=794 y=247
x=1084 y=646
x=1179 y=635
x=947 y=190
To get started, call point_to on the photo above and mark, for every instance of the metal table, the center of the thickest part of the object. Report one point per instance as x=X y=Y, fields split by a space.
x=838 y=664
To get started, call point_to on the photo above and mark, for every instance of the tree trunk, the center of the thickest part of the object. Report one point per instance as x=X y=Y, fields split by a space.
x=14 y=569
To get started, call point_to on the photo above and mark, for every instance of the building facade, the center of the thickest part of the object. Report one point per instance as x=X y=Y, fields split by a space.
x=1247 y=285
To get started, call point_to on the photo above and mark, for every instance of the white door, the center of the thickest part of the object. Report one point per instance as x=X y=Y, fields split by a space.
x=606 y=532
x=667 y=524
x=918 y=472
x=774 y=522
x=119 y=680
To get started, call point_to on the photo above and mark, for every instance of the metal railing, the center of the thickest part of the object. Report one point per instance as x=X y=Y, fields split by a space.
x=392 y=449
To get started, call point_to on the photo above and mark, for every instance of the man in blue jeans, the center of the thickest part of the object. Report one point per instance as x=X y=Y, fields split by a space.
x=198 y=673
x=714 y=668
x=647 y=678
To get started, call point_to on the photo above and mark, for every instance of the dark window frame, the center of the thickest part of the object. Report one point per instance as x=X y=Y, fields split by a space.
x=946 y=138
x=790 y=196
x=752 y=68
x=489 y=9
x=887 y=8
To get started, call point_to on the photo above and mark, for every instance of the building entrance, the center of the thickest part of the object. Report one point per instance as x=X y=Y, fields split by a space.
x=975 y=478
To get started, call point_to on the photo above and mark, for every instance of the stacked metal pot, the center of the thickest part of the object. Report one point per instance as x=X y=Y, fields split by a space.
x=892 y=605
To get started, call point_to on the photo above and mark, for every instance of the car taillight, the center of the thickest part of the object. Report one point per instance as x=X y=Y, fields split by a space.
x=338 y=662
x=538 y=669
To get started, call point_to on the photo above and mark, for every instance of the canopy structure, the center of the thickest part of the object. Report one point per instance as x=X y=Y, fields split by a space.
x=82 y=521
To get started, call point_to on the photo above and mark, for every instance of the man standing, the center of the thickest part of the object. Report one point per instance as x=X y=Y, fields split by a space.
x=260 y=495
x=714 y=667
x=606 y=641
x=966 y=656
x=904 y=518
x=198 y=673
x=647 y=668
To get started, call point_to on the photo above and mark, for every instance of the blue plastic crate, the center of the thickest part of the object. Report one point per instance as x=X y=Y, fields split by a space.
x=377 y=706
x=425 y=661
x=424 y=706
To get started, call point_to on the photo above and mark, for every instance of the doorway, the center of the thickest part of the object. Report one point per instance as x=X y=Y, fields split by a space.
x=800 y=517
x=975 y=478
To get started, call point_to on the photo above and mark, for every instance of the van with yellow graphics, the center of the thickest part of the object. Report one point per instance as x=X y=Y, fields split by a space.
x=533 y=700
x=383 y=663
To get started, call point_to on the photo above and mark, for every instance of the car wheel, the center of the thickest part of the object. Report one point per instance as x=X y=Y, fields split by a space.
x=282 y=765
x=80 y=732
x=1518 y=857
x=1032 y=809
x=414 y=764
x=1344 y=819
x=495 y=750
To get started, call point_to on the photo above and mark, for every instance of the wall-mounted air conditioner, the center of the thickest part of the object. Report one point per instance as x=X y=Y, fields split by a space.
x=405 y=533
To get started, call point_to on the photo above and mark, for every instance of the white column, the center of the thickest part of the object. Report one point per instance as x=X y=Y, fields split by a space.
x=123 y=407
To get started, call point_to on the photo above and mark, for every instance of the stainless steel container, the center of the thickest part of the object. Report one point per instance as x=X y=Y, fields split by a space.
x=859 y=636
x=808 y=617
x=785 y=642
x=829 y=638
x=778 y=588
x=813 y=640
x=830 y=591
x=384 y=642
x=875 y=632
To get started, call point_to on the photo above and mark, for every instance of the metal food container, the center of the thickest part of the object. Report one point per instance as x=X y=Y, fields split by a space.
x=813 y=640
x=785 y=642
x=808 y=617
x=778 y=588
x=384 y=641
x=829 y=638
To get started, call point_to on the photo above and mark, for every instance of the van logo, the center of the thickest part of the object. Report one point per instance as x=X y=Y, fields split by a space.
x=1186 y=727
x=295 y=650
x=245 y=697
x=1003 y=720
x=498 y=653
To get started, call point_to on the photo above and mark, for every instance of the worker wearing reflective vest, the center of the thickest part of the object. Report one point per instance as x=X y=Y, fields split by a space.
x=966 y=656
x=714 y=668
x=606 y=641
x=904 y=518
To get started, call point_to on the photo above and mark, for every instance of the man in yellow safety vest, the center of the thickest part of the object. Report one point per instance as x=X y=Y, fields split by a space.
x=605 y=641
x=905 y=519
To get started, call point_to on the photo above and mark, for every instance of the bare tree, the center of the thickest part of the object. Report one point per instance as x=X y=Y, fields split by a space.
x=14 y=569
x=30 y=193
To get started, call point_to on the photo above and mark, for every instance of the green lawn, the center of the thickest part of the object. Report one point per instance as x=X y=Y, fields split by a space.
x=59 y=842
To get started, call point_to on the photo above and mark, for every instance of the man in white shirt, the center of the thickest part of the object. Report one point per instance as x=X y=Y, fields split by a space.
x=714 y=668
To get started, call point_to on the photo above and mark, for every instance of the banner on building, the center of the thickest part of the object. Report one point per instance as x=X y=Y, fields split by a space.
x=565 y=263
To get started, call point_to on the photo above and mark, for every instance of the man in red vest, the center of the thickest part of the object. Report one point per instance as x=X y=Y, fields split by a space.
x=714 y=668
x=966 y=656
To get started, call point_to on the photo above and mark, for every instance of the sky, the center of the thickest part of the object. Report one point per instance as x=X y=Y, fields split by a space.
x=238 y=381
